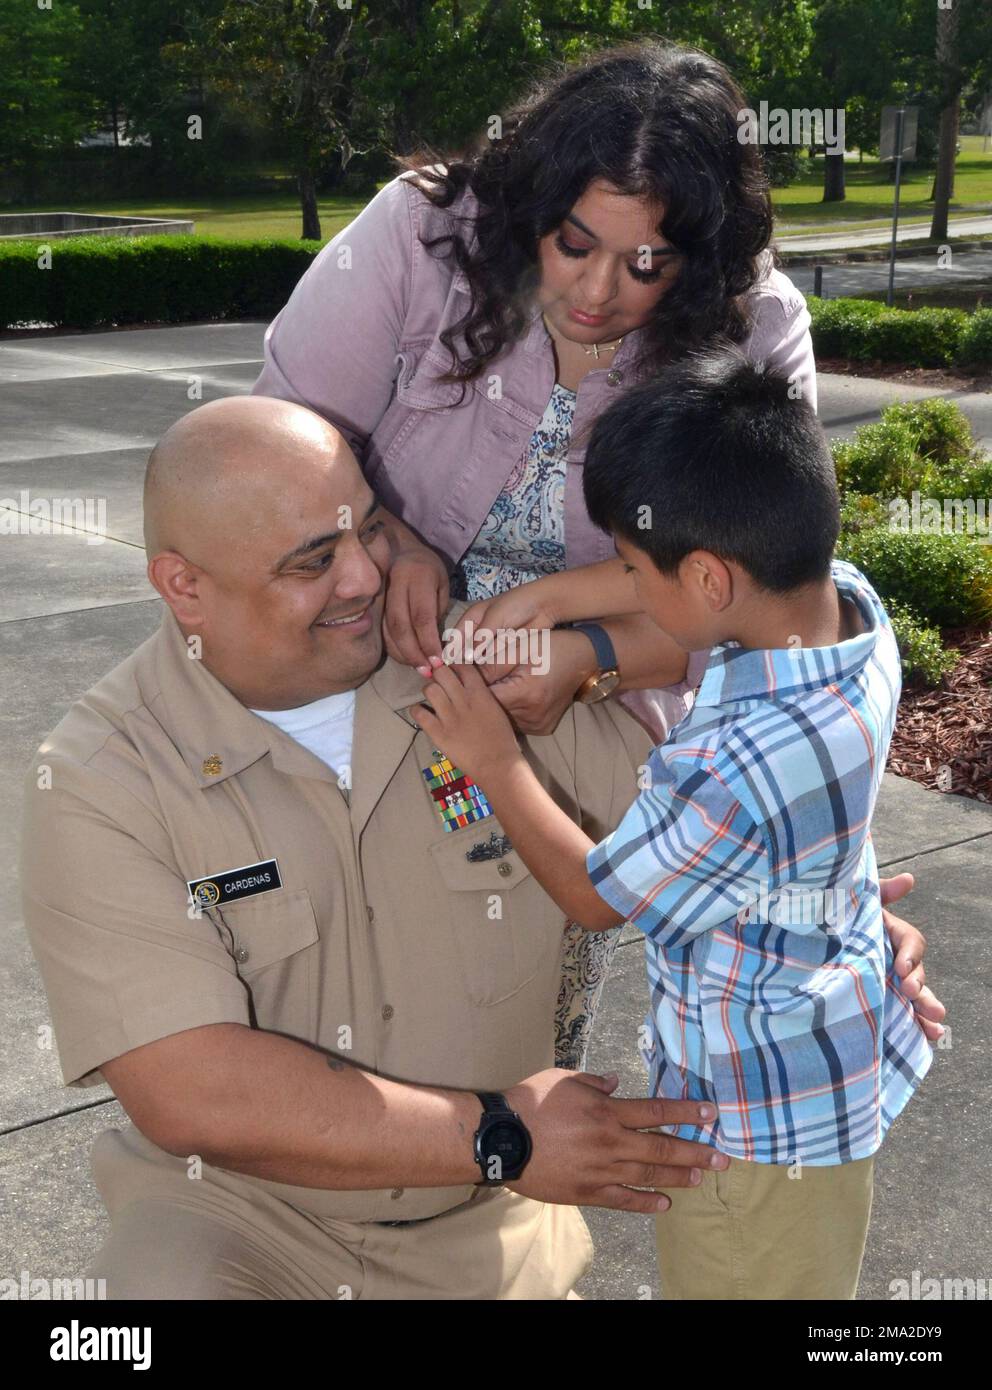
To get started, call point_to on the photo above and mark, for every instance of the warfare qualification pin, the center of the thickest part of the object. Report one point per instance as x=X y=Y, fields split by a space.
x=212 y=766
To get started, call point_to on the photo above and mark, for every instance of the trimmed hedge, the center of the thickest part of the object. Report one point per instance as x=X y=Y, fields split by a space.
x=946 y=580
x=921 y=651
x=95 y=282
x=864 y=329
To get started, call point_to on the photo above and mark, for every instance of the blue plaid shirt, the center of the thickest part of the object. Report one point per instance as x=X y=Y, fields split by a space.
x=747 y=862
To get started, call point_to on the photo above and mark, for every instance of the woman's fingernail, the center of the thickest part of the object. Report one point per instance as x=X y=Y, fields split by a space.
x=706 y=1112
x=436 y=661
x=423 y=670
x=695 y=1177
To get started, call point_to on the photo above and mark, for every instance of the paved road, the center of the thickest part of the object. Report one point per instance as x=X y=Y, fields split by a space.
x=882 y=235
x=78 y=415
x=965 y=267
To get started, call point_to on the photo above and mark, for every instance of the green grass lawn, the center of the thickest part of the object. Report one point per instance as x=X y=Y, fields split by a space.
x=869 y=199
x=264 y=215
x=869 y=193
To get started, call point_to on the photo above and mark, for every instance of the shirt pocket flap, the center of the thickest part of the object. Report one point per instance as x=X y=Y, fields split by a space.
x=270 y=927
x=420 y=389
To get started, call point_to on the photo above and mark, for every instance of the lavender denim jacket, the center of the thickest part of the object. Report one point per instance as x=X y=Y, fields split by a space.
x=359 y=342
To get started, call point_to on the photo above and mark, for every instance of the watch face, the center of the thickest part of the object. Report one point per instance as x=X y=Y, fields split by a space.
x=503 y=1146
x=603 y=685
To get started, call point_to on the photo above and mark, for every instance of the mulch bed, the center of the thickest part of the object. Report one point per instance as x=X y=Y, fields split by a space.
x=943 y=737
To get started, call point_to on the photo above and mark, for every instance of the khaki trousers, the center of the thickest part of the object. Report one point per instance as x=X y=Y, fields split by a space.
x=219 y=1237
x=752 y=1232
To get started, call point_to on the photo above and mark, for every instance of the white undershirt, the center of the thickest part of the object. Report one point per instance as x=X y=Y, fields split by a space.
x=324 y=726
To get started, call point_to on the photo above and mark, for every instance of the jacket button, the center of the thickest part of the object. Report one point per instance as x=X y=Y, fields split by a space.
x=371 y=914
x=614 y=377
x=396 y=1193
x=504 y=869
x=241 y=954
x=387 y=1011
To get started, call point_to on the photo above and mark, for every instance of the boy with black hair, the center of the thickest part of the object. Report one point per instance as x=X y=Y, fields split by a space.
x=746 y=858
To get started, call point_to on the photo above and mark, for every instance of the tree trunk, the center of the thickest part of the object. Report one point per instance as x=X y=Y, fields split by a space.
x=950 y=92
x=308 y=203
x=943 y=186
x=833 y=179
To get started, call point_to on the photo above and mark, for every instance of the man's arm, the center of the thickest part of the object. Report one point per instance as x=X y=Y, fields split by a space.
x=259 y=1103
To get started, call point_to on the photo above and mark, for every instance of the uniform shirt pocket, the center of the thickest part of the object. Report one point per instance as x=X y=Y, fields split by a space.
x=505 y=927
x=269 y=938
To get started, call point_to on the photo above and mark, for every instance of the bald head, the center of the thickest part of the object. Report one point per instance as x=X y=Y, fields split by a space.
x=266 y=541
x=223 y=473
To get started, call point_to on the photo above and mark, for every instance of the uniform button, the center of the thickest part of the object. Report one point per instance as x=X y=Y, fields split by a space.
x=614 y=377
x=396 y=1193
x=387 y=1011
x=505 y=869
x=371 y=914
x=241 y=954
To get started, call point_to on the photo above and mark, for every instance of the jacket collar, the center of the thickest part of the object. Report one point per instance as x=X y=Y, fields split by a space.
x=218 y=737
x=736 y=673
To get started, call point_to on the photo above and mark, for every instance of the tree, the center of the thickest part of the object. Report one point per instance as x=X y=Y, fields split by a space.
x=42 y=109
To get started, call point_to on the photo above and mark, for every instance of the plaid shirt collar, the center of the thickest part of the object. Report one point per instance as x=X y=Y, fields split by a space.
x=735 y=673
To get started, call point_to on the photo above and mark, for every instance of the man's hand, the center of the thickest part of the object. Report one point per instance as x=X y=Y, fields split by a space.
x=589 y=1148
x=909 y=947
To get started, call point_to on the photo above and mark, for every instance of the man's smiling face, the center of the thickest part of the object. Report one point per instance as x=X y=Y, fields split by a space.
x=306 y=620
x=269 y=545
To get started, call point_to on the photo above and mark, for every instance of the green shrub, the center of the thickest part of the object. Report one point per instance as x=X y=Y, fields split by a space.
x=881 y=458
x=923 y=337
x=840 y=326
x=925 y=446
x=99 y=281
x=975 y=342
x=945 y=579
x=858 y=511
x=923 y=655
x=859 y=329
x=942 y=429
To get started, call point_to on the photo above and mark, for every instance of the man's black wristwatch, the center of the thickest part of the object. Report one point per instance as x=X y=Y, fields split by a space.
x=502 y=1141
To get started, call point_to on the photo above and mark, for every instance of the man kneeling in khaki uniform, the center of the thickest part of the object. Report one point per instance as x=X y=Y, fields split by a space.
x=297 y=980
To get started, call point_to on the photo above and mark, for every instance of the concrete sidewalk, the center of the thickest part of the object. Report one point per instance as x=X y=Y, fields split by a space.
x=78 y=415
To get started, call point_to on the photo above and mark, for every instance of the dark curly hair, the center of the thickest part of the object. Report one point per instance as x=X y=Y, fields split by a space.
x=654 y=119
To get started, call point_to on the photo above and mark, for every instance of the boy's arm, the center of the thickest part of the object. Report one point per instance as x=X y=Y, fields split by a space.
x=602 y=590
x=552 y=846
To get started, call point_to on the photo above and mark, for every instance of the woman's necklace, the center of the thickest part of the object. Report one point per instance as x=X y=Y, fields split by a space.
x=592 y=351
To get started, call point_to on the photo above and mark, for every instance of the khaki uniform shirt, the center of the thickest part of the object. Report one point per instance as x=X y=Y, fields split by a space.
x=384 y=943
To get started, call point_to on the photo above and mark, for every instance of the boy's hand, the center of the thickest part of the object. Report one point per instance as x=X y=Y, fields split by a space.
x=909 y=946
x=468 y=723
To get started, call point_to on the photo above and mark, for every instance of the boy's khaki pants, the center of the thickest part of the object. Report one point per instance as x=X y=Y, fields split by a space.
x=752 y=1232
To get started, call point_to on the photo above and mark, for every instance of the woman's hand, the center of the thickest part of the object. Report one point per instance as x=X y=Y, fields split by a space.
x=417 y=595
x=909 y=947
x=467 y=722
x=525 y=606
x=536 y=702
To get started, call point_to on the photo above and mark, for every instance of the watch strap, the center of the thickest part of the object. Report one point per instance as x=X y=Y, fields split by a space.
x=601 y=644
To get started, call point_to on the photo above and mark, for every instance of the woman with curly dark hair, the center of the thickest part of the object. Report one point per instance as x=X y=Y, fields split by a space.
x=467 y=328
